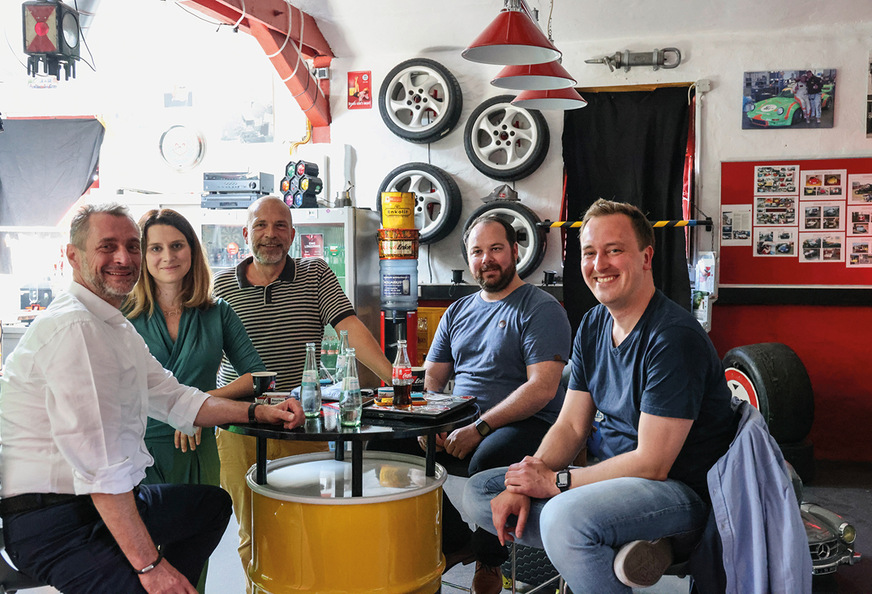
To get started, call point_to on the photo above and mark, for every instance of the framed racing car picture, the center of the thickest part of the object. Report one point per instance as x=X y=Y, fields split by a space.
x=789 y=99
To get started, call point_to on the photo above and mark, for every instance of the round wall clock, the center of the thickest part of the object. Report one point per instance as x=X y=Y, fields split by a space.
x=182 y=147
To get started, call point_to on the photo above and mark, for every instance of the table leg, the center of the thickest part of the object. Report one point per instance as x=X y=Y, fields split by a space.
x=260 y=472
x=356 y=469
x=430 y=468
x=339 y=453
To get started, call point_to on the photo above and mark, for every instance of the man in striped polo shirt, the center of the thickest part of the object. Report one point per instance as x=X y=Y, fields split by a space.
x=284 y=303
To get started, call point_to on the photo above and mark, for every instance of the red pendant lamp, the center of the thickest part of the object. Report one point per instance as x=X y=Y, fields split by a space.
x=513 y=38
x=535 y=77
x=552 y=99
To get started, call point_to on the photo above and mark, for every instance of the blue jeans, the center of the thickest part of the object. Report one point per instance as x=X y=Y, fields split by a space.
x=68 y=546
x=582 y=529
x=815 y=105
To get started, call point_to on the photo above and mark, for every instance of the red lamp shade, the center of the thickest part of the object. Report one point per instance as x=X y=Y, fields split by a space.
x=535 y=77
x=512 y=38
x=554 y=99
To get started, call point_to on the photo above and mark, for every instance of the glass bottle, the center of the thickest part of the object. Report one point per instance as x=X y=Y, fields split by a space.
x=401 y=377
x=351 y=402
x=310 y=389
x=341 y=355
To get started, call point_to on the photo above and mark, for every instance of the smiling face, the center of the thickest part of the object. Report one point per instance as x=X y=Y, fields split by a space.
x=167 y=254
x=269 y=231
x=109 y=262
x=615 y=268
x=491 y=258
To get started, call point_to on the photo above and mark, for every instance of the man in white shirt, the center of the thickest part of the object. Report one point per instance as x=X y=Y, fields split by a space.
x=73 y=405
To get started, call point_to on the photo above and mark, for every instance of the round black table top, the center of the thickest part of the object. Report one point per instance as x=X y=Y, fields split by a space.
x=326 y=427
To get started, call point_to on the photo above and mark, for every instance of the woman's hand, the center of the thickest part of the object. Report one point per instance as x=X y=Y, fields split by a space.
x=183 y=442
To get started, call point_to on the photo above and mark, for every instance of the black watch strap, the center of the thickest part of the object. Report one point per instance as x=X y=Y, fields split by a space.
x=483 y=428
x=150 y=566
x=563 y=479
x=251 y=416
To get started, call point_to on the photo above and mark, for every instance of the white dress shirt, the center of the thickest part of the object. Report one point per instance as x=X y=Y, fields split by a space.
x=74 y=399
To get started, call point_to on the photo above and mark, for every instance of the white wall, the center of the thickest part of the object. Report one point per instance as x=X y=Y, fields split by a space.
x=161 y=47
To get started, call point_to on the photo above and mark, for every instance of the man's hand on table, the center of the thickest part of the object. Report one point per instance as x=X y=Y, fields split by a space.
x=532 y=478
x=288 y=414
x=461 y=442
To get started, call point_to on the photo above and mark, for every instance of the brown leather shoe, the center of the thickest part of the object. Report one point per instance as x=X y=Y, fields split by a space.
x=487 y=579
x=465 y=555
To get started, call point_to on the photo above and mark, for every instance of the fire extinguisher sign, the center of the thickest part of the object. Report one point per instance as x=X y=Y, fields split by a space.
x=360 y=90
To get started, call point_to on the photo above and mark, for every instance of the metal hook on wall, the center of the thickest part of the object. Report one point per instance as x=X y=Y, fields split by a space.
x=668 y=57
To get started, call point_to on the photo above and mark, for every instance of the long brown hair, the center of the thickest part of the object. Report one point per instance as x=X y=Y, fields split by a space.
x=197 y=284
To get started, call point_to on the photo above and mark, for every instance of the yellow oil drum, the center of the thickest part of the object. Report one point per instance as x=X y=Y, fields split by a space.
x=310 y=535
x=398 y=210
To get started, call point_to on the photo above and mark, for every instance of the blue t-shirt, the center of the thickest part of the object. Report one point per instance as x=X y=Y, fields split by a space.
x=491 y=344
x=667 y=367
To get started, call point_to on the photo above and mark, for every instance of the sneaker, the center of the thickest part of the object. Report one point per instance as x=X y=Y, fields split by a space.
x=641 y=563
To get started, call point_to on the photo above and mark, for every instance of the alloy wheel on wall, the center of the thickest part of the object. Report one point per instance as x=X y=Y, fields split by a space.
x=420 y=100
x=505 y=142
x=437 y=198
x=532 y=240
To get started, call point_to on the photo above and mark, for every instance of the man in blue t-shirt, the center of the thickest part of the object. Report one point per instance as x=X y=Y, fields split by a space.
x=651 y=371
x=506 y=345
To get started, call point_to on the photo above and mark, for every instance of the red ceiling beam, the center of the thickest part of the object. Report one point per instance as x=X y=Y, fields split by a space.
x=267 y=21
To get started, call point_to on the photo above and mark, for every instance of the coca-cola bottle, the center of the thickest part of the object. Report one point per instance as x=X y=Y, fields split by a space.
x=401 y=377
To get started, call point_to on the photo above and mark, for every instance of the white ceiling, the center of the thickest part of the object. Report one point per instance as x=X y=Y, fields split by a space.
x=356 y=28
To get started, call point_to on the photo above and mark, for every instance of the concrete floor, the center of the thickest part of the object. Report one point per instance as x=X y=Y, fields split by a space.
x=842 y=487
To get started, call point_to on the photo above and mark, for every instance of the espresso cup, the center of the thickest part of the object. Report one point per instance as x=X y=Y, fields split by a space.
x=264 y=381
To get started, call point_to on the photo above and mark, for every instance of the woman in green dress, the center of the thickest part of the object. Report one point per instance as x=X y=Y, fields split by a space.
x=188 y=331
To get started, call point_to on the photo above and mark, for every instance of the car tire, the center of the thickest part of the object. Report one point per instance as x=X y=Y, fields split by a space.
x=505 y=142
x=784 y=394
x=801 y=457
x=420 y=100
x=532 y=240
x=798 y=116
x=437 y=198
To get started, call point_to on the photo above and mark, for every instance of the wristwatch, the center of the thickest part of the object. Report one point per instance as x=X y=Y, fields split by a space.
x=482 y=427
x=564 y=479
x=251 y=416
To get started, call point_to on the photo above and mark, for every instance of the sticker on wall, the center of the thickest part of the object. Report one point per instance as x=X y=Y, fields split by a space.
x=826 y=216
x=823 y=184
x=789 y=99
x=779 y=179
x=774 y=242
x=360 y=90
x=736 y=225
x=859 y=218
x=860 y=187
x=821 y=247
x=775 y=210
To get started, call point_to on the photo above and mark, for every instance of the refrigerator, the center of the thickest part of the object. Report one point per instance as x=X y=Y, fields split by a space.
x=346 y=238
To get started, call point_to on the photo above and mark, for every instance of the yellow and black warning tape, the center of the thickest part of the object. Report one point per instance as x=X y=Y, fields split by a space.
x=707 y=223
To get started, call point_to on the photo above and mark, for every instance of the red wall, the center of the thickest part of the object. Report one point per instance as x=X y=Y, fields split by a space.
x=835 y=345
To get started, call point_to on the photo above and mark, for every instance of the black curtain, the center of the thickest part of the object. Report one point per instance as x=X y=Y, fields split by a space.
x=629 y=147
x=45 y=167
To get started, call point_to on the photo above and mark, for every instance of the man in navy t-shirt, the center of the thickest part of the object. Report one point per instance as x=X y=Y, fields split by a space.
x=506 y=345
x=648 y=367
